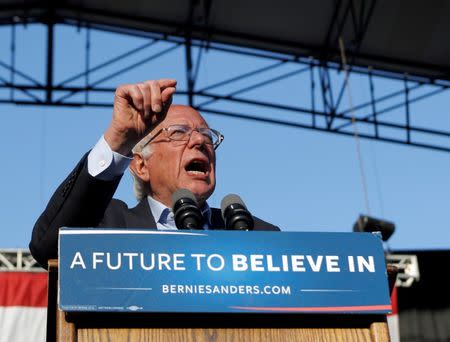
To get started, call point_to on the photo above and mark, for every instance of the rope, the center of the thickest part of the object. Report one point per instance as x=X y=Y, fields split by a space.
x=354 y=126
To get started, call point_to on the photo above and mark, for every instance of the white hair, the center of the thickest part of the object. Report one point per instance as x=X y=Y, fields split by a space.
x=141 y=189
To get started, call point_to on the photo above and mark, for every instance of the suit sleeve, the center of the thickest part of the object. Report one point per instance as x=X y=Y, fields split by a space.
x=80 y=201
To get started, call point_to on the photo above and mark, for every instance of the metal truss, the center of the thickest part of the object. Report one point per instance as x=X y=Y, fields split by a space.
x=388 y=118
x=18 y=260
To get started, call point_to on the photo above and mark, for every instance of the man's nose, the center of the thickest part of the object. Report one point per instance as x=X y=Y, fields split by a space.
x=196 y=138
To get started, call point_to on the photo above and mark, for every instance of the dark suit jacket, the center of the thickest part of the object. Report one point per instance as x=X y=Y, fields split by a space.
x=84 y=201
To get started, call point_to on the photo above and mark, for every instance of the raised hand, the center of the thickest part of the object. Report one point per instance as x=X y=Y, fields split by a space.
x=138 y=108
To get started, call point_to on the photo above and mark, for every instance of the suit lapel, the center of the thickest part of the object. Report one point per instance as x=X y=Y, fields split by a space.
x=141 y=216
x=216 y=219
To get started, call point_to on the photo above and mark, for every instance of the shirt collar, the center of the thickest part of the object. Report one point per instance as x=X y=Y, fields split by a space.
x=157 y=208
x=160 y=213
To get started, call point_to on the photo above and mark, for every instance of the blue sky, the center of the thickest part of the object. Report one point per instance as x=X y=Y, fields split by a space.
x=300 y=180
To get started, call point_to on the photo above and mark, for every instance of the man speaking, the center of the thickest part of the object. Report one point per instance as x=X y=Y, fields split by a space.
x=167 y=147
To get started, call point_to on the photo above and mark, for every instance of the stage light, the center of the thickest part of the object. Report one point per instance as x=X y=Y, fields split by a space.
x=371 y=224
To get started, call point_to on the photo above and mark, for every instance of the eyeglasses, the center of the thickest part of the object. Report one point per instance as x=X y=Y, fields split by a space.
x=183 y=133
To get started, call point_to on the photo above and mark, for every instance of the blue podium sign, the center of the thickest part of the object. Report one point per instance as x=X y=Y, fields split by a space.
x=221 y=271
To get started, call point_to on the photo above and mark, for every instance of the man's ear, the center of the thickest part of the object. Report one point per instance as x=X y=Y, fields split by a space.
x=139 y=167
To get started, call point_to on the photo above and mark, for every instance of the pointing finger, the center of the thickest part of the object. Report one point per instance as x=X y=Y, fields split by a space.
x=167 y=95
x=137 y=97
x=167 y=82
x=156 y=96
x=147 y=98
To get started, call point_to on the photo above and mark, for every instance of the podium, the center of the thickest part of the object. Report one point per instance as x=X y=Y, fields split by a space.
x=210 y=326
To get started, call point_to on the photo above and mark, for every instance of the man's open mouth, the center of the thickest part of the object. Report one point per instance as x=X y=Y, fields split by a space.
x=197 y=167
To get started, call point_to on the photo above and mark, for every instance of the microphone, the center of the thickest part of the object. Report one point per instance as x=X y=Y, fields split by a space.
x=235 y=213
x=186 y=212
